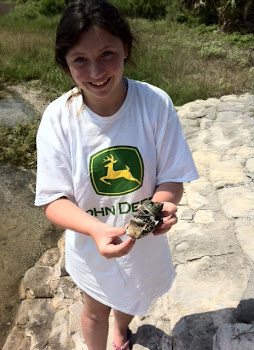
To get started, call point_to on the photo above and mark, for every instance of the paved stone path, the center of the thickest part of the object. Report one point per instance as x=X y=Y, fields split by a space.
x=212 y=247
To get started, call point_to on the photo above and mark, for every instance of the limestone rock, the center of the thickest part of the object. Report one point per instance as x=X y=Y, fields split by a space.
x=206 y=284
x=244 y=229
x=32 y=311
x=237 y=336
x=228 y=172
x=17 y=340
x=214 y=240
x=237 y=202
x=49 y=258
x=75 y=330
x=61 y=247
x=35 y=316
x=198 y=109
x=66 y=293
x=200 y=195
x=59 y=337
x=36 y=283
x=245 y=309
x=233 y=105
x=203 y=160
x=204 y=217
x=250 y=165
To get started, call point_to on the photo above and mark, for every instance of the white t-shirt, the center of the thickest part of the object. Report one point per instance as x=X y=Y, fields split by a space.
x=108 y=166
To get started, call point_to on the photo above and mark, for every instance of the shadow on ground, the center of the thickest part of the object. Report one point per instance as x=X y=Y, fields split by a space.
x=152 y=338
x=194 y=332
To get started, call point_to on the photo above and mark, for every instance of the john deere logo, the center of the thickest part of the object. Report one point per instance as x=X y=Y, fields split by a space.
x=116 y=170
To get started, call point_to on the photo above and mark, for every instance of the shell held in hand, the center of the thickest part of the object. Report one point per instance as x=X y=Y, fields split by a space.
x=146 y=221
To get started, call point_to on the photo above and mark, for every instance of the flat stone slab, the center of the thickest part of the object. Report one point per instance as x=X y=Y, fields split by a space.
x=14 y=110
x=237 y=202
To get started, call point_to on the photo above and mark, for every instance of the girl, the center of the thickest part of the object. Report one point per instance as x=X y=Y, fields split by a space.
x=103 y=148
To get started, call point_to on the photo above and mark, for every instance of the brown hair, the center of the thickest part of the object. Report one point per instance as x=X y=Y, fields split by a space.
x=79 y=17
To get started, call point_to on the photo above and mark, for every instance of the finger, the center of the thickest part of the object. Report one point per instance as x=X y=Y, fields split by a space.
x=126 y=245
x=169 y=221
x=169 y=209
x=166 y=226
x=161 y=232
x=124 y=248
x=115 y=240
x=117 y=231
x=116 y=251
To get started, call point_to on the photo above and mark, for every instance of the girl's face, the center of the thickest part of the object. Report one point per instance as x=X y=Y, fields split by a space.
x=96 y=64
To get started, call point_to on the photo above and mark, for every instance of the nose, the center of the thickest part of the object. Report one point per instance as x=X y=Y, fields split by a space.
x=96 y=70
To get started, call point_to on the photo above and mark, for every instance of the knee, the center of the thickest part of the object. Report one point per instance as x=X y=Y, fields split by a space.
x=95 y=317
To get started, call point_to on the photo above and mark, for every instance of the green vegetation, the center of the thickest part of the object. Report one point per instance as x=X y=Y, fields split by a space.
x=17 y=144
x=151 y=9
x=230 y=15
x=186 y=58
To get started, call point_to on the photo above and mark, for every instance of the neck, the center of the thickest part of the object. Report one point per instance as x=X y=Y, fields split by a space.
x=110 y=106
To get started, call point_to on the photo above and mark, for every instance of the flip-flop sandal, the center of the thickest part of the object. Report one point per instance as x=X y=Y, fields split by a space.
x=127 y=344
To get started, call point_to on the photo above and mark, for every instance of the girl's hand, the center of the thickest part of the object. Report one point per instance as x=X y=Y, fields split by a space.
x=109 y=243
x=62 y=212
x=169 y=218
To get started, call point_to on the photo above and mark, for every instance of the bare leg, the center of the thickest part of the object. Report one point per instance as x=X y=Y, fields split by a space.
x=94 y=322
x=122 y=322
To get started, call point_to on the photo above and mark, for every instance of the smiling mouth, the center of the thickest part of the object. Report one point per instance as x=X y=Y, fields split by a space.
x=99 y=83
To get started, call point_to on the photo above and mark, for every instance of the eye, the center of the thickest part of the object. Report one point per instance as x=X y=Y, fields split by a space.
x=107 y=53
x=80 y=60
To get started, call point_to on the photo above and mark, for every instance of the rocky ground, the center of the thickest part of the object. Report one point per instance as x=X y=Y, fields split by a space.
x=211 y=304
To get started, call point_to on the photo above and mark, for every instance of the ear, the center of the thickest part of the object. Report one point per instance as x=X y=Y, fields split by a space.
x=126 y=51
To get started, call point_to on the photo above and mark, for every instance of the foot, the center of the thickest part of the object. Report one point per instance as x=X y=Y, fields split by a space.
x=125 y=346
x=122 y=341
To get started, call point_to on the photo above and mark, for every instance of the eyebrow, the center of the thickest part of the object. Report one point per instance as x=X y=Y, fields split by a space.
x=106 y=48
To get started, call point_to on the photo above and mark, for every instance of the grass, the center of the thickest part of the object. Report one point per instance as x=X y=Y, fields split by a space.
x=17 y=144
x=188 y=62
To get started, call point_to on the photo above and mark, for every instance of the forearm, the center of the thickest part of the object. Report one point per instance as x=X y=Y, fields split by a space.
x=65 y=214
x=169 y=192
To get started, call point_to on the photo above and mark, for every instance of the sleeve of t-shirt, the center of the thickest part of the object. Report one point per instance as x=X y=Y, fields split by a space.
x=174 y=159
x=54 y=178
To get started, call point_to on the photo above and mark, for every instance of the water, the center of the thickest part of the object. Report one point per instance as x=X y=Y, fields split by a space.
x=25 y=233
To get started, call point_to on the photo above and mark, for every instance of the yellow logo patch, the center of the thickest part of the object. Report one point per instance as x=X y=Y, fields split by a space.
x=116 y=170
